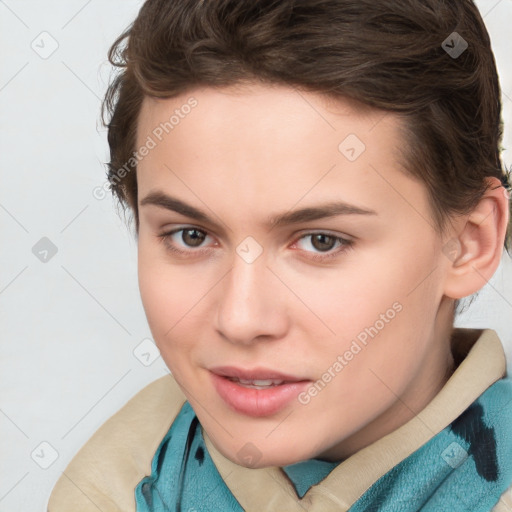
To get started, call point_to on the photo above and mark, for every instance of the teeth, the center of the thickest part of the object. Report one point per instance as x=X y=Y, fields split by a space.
x=267 y=382
x=258 y=384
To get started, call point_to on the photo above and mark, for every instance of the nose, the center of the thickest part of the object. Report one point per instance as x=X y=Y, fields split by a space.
x=251 y=305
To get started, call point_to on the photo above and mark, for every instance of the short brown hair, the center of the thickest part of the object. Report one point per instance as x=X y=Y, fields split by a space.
x=386 y=54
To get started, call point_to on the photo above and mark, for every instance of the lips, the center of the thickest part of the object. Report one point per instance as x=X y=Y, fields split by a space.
x=258 y=392
x=254 y=375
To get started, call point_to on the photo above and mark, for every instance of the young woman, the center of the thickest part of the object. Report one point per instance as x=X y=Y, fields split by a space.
x=314 y=186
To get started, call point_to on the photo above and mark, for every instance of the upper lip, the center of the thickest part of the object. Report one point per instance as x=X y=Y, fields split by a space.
x=254 y=374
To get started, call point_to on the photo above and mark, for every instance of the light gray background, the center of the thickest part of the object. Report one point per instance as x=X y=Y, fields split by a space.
x=69 y=327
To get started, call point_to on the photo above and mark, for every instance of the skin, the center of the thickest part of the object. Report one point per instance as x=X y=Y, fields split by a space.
x=248 y=153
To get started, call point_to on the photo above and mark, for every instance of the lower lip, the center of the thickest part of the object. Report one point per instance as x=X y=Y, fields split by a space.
x=257 y=402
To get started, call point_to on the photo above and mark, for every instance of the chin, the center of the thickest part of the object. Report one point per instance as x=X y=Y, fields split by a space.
x=250 y=456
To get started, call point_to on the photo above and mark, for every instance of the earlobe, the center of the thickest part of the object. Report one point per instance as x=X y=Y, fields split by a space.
x=477 y=249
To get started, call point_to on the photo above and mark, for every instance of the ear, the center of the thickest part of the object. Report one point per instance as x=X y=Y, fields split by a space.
x=475 y=253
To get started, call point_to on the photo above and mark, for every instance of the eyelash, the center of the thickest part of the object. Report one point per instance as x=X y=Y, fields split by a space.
x=345 y=244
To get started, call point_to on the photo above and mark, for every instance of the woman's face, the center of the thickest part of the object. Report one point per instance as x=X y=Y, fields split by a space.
x=289 y=270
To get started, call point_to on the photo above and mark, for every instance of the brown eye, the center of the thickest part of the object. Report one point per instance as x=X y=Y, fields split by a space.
x=323 y=246
x=186 y=242
x=323 y=242
x=192 y=237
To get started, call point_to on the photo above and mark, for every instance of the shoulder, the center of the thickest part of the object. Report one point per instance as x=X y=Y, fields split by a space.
x=104 y=473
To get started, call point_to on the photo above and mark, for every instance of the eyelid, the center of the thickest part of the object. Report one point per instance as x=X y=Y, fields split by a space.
x=166 y=235
x=346 y=243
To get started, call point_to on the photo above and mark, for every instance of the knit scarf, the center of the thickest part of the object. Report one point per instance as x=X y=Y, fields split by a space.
x=464 y=468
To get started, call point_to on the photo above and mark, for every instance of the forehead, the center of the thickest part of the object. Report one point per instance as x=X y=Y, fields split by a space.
x=256 y=106
x=273 y=144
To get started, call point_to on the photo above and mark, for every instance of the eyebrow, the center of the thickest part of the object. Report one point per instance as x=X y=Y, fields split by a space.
x=331 y=209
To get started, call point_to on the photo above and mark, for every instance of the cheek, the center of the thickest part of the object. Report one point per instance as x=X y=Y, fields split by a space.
x=163 y=292
x=388 y=310
x=166 y=304
x=175 y=301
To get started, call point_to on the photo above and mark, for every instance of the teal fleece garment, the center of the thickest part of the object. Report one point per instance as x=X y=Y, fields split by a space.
x=464 y=468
